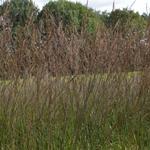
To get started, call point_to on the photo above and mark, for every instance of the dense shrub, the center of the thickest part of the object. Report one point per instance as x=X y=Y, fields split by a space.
x=70 y=15
x=17 y=16
x=19 y=11
x=126 y=20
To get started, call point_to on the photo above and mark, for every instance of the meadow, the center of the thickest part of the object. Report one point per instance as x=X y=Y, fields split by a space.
x=74 y=90
x=79 y=112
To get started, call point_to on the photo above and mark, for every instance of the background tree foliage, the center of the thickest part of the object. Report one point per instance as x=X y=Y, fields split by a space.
x=70 y=15
x=19 y=11
x=126 y=20
x=20 y=16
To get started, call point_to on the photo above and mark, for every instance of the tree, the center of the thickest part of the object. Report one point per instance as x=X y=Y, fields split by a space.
x=19 y=11
x=21 y=15
x=126 y=20
x=70 y=15
x=104 y=15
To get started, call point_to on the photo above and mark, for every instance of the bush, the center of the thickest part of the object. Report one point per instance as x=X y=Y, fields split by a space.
x=19 y=11
x=126 y=20
x=70 y=15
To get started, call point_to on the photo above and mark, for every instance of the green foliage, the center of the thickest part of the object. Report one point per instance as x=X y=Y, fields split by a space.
x=70 y=15
x=73 y=15
x=19 y=11
x=3 y=8
x=126 y=20
x=20 y=14
x=104 y=17
x=146 y=16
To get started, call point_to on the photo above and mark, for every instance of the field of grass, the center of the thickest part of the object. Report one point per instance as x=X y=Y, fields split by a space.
x=64 y=88
x=111 y=112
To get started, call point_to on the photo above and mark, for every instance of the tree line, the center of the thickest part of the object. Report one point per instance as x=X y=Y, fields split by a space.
x=72 y=15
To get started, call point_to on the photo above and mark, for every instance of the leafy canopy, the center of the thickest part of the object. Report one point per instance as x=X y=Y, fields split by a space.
x=19 y=11
x=126 y=20
x=70 y=14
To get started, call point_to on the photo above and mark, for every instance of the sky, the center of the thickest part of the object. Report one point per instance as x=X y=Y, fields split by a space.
x=102 y=5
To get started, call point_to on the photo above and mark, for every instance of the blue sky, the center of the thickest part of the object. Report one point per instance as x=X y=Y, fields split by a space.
x=139 y=5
